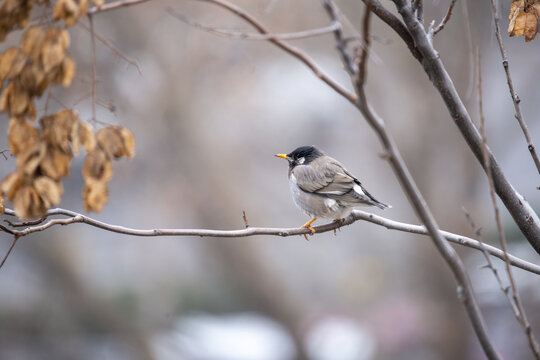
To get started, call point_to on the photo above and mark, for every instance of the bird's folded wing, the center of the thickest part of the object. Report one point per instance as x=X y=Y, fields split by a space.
x=325 y=179
x=331 y=179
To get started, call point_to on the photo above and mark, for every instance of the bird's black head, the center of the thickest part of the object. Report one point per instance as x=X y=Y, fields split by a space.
x=302 y=155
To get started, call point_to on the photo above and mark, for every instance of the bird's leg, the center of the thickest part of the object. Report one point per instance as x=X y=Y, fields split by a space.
x=308 y=226
x=339 y=221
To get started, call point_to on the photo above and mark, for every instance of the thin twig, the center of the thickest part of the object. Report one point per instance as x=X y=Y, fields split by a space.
x=114 y=5
x=356 y=215
x=244 y=217
x=489 y=264
x=522 y=317
x=366 y=43
x=58 y=101
x=15 y=238
x=445 y=19
x=297 y=53
x=94 y=67
x=515 y=97
x=113 y=48
x=341 y=41
x=255 y=36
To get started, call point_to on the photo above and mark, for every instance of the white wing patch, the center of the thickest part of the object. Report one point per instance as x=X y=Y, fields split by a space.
x=358 y=189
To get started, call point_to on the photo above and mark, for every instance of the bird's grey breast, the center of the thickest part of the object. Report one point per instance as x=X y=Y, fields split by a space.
x=311 y=203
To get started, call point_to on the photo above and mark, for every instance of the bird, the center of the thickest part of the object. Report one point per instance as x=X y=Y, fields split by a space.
x=323 y=188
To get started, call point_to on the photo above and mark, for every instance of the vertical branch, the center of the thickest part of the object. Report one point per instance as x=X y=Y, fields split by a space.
x=366 y=44
x=464 y=287
x=522 y=318
x=341 y=42
x=515 y=97
x=94 y=67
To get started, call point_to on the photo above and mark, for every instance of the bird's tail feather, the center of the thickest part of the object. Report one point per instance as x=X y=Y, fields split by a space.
x=381 y=205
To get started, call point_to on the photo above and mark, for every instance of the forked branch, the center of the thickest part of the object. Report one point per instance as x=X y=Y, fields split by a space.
x=522 y=213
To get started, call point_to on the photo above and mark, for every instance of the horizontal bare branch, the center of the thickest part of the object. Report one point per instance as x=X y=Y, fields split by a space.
x=74 y=217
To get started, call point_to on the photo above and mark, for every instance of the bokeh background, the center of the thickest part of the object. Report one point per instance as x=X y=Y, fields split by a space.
x=208 y=113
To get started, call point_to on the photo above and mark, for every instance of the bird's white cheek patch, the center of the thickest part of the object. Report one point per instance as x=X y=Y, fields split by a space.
x=301 y=160
x=330 y=203
x=358 y=189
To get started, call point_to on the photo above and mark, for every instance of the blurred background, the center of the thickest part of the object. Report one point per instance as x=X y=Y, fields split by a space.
x=208 y=113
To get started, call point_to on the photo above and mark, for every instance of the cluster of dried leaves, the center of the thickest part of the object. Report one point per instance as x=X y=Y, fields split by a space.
x=524 y=18
x=40 y=61
x=15 y=14
x=44 y=158
x=44 y=154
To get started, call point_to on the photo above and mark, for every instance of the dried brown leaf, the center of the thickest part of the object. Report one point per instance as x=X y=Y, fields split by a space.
x=70 y=10
x=55 y=164
x=516 y=8
x=2 y=206
x=21 y=135
x=53 y=52
x=11 y=63
x=95 y=196
x=129 y=142
x=31 y=157
x=27 y=203
x=86 y=136
x=14 y=14
x=57 y=128
x=11 y=183
x=32 y=42
x=33 y=79
x=4 y=98
x=68 y=71
x=49 y=191
x=97 y=167
x=116 y=141
x=18 y=100
x=526 y=24
x=74 y=138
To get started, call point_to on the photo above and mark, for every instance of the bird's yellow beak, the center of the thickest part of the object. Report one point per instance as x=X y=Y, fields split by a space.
x=283 y=156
